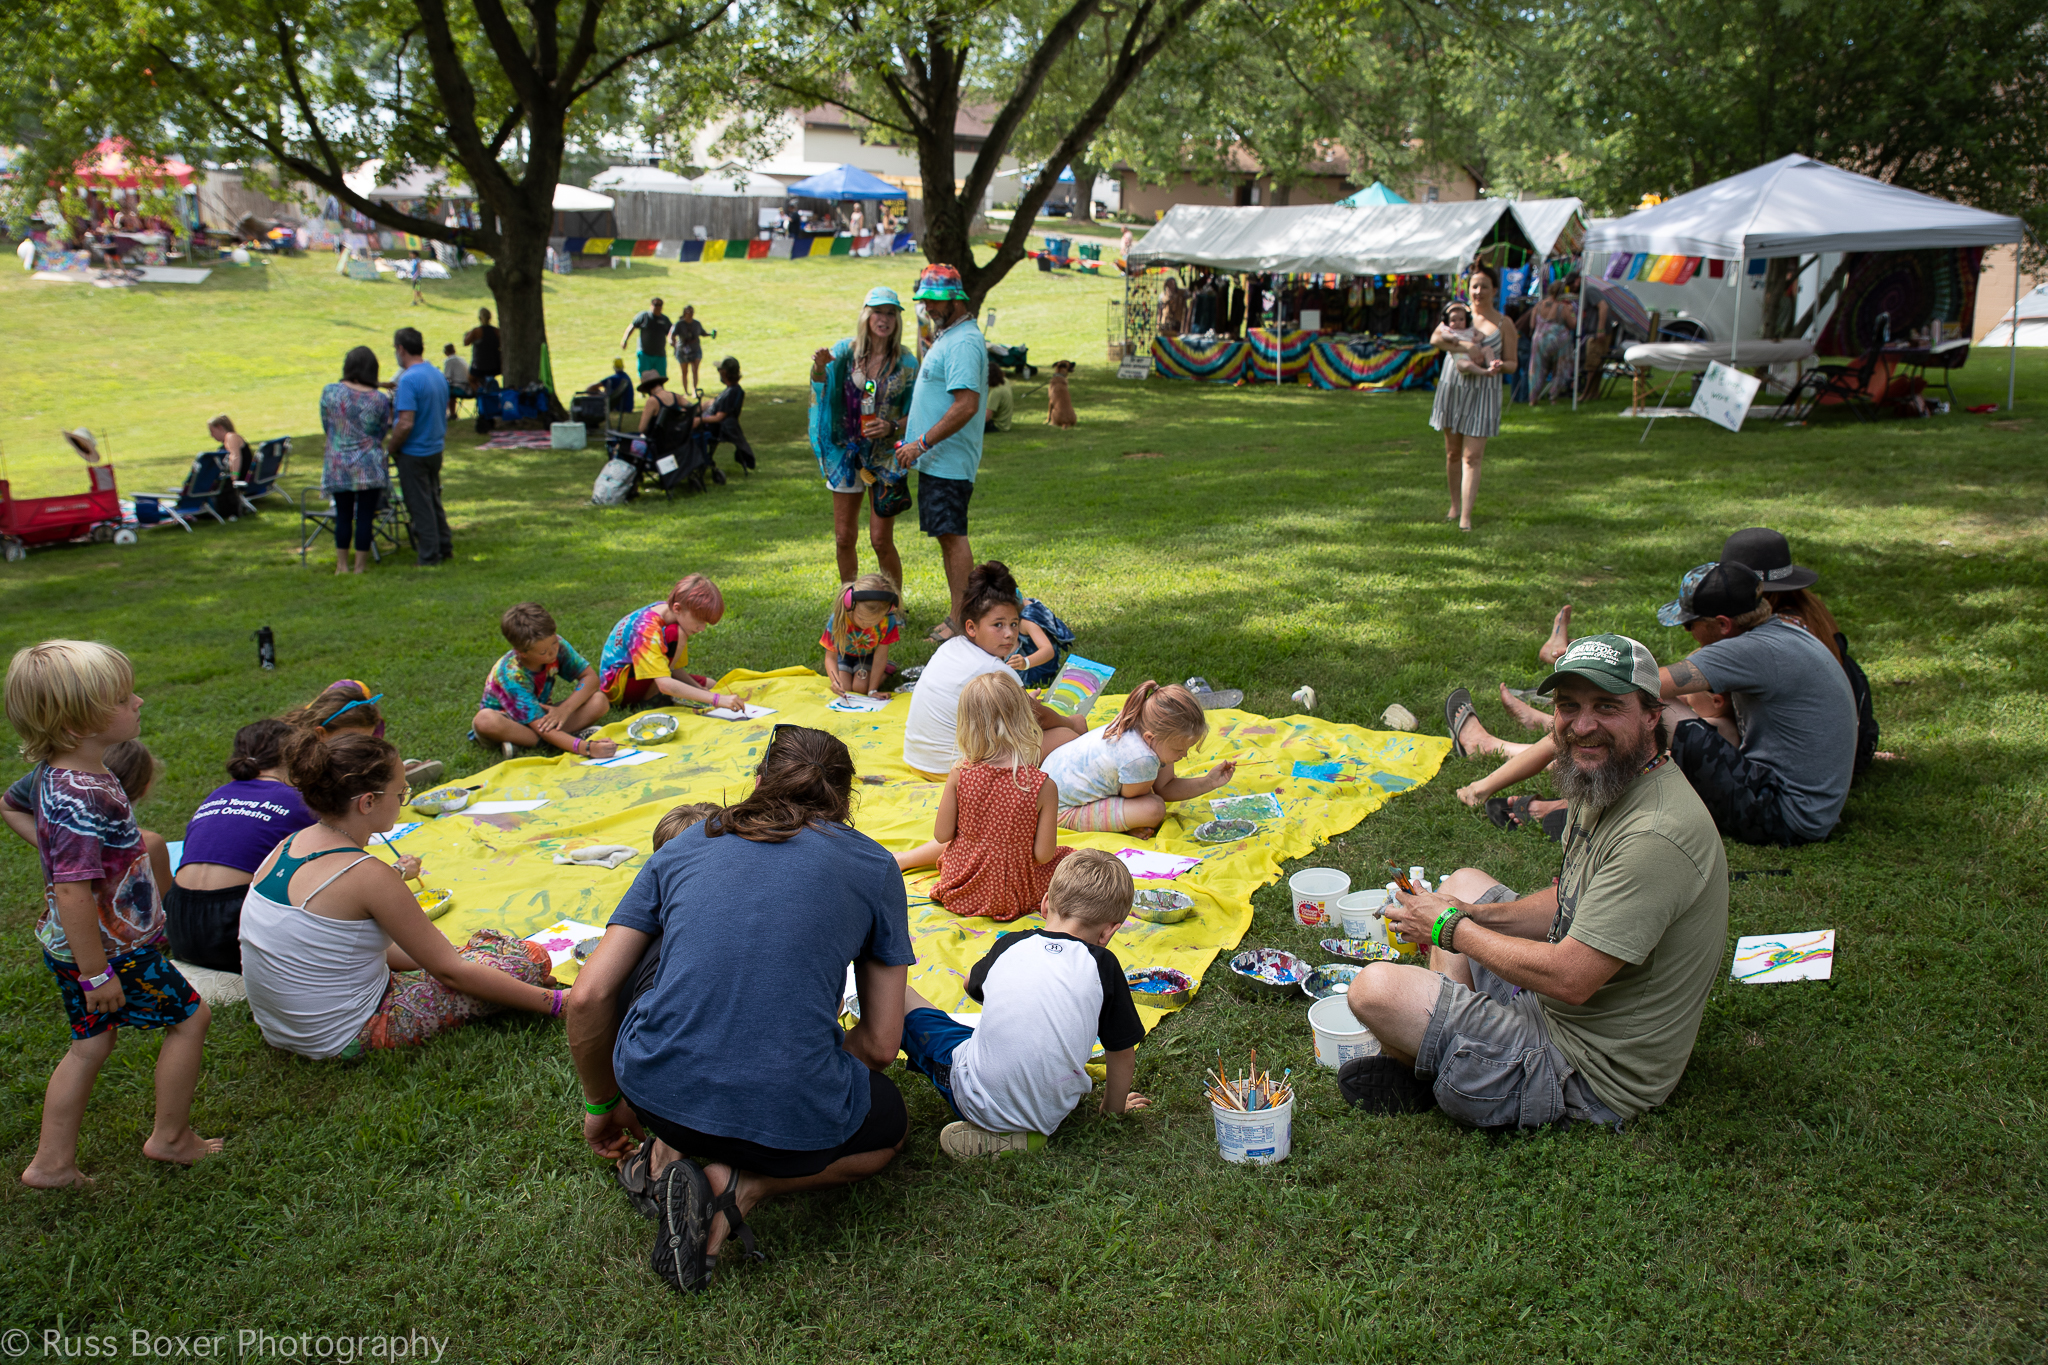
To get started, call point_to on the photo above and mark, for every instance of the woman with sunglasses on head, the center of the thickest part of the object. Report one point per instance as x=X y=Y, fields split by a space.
x=726 y=1058
x=860 y=402
x=337 y=955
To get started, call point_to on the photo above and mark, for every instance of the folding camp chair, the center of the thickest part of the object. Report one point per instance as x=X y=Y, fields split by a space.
x=201 y=491
x=271 y=459
x=1948 y=357
x=1848 y=386
x=317 y=515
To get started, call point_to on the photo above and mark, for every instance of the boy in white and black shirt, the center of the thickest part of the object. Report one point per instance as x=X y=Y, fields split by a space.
x=1046 y=996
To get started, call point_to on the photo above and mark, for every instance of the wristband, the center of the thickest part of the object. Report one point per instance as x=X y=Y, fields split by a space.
x=93 y=983
x=1445 y=927
x=606 y=1107
x=1436 y=930
x=555 y=1006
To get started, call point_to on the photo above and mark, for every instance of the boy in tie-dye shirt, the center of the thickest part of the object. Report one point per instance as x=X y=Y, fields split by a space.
x=646 y=653
x=519 y=710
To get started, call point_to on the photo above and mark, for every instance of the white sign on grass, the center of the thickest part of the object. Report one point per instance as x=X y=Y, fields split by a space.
x=1134 y=367
x=1725 y=395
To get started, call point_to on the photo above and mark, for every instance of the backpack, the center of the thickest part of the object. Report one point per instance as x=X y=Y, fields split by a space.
x=1056 y=630
x=1866 y=713
x=614 y=481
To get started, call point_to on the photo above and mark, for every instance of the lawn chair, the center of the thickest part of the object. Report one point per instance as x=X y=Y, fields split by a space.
x=1857 y=386
x=272 y=457
x=200 y=493
x=317 y=515
x=1948 y=357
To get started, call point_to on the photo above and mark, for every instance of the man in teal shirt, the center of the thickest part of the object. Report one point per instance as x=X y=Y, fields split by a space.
x=942 y=438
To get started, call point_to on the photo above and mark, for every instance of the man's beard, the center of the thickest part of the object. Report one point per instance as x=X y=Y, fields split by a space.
x=1602 y=787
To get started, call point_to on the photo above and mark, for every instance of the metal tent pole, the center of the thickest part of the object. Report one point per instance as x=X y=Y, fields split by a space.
x=2012 y=336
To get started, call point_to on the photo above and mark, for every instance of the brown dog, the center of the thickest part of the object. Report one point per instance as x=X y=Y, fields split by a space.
x=1059 y=407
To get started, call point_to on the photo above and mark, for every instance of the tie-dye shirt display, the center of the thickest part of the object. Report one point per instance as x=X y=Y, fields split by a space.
x=638 y=648
x=85 y=832
x=525 y=695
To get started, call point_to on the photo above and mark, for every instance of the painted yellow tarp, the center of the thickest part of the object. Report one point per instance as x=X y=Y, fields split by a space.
x=502 y=872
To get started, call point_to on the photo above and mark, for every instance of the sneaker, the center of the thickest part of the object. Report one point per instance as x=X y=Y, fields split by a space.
x=1384 y=1085
x=511 y=749
x=963 y=1141
x=422 y=772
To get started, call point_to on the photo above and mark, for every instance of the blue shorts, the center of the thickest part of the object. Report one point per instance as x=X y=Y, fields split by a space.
x=158 y=994
x=929 y=1038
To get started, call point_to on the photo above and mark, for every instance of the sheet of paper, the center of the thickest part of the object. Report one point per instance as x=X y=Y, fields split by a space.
x=625 y=758
x=400 y=830
x=1144 y=863
x=1764 y=958
x=500 y=807
x=561 y=937
x=1263 y=806
x=854 y=701
x=1080 y=682
x=746 y=712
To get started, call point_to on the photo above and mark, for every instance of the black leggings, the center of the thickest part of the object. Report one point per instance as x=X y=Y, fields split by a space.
x=357 y=506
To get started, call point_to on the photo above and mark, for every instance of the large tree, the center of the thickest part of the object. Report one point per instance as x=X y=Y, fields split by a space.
x=308 y=90
x=908 y=69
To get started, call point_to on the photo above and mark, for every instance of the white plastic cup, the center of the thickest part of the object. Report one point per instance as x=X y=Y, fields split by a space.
x=1359 y=914
x=1315 y=890
x=1256 y=1137
x=1340 y=1038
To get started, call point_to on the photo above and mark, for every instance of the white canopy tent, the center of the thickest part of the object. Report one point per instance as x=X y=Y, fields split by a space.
x=416 y=183
x=2025 y=323
x=573 y=199
x=1547 y=221
x=1796 y=206
x=1387 y=239
x=642 y=180
x=737 y=182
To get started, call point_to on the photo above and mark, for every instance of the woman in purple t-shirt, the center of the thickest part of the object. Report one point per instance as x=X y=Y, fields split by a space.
x=230 y=835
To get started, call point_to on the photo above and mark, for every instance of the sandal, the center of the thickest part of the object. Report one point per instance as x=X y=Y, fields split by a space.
x=631 y=1173
x=941 y=633
x=1458 y=710
x=1510 y=812
x=682 y=1199
x=735 y=1226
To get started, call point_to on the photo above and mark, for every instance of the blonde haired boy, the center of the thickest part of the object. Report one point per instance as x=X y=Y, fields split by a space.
x=102 y=926
x=1046 y=996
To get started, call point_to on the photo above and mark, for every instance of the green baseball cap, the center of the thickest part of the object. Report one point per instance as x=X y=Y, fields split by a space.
x=1614 y=663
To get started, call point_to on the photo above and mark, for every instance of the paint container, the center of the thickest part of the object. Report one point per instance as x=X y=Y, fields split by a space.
x=1268 y=974
x=1332 y=978
x=1259 y=1137
x=1315 y=890
x=435 y=901
x=1340 y=1038
x=1359 y=914
x=1163 y=906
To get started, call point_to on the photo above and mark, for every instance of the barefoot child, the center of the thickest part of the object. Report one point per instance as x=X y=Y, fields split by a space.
x=858 y=633
x=1121 y=776
x=646 y=652
x=134 y=767
x=995 y=841
x=519 y=710
x=102 y=925
x=1046 y=995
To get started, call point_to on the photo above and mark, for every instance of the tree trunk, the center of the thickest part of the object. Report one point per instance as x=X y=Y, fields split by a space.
x=516 y=278
x=1084 y=190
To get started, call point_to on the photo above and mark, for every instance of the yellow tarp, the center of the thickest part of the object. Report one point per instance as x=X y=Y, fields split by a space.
x=502 y=872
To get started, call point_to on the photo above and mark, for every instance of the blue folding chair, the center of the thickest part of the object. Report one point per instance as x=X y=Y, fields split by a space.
x=272 y=459
x=197 y=498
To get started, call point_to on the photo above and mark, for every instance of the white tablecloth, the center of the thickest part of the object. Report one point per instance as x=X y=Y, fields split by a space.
x=1697 y=355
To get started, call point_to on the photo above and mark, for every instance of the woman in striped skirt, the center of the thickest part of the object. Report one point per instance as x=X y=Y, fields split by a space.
x=1468 y=395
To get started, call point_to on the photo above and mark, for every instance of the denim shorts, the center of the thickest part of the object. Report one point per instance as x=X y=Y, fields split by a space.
x=929 y=1037
x=1489 y=1047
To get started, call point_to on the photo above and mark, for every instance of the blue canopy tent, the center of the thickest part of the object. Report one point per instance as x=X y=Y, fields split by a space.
x=845 y=182
x=1372 y=195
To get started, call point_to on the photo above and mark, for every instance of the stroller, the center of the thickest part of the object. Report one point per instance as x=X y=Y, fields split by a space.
x=674 y=455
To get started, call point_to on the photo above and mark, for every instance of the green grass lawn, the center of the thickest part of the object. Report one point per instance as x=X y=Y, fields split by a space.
x=1847 y=1172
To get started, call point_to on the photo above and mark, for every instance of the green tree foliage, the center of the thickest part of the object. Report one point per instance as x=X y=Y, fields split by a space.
x=307 y=90
x=906 y=69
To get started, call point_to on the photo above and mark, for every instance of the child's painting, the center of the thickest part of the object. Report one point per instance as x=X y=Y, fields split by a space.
x=1074 y=692
x=1764 y=958
x=561 y=937
x=1263 y=806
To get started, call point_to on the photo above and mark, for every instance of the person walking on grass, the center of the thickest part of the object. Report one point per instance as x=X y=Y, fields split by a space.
x=1582 y=1000
x=688 y=340
x=653 y=326
x=417 y=436
x=943 y=433
x=1468 y=399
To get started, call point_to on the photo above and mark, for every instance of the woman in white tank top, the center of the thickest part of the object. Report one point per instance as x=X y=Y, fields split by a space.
x=336 y=954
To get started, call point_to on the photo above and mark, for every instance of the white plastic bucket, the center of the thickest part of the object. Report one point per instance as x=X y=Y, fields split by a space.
x=1359 y=914
x=1257 y=1137
x=1340 y=1038
x=1315 y=890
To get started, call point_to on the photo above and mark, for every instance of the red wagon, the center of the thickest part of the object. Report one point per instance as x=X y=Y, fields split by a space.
x=94 y=515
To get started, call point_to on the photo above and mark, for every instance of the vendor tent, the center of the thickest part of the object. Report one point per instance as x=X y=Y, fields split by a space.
x=1392 y=239
x=1797 y=206
x=737 y=182
x=572 y=199
x=583 y=213
x=1553 y=226
x=844 y=183
x=2025 y=324
x=1372 y=196
x=642 y=180
x=416 y=183
x=111 y=166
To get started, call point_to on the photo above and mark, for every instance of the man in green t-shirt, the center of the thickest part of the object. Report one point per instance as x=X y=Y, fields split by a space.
x=1583 y=999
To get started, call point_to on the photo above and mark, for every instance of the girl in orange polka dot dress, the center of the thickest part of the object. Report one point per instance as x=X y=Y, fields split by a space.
x=997 y=817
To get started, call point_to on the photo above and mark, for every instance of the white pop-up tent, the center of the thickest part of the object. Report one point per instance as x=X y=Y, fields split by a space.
x=2025 y=324
x=1546 y=222
x=1795 y=206
x=1384 y=239
x=642 y=180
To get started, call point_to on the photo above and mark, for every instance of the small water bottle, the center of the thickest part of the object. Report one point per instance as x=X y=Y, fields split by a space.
x=266 y=648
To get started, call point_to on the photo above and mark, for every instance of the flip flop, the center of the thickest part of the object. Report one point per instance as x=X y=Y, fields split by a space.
x=1458 y=710
x=682 y=1199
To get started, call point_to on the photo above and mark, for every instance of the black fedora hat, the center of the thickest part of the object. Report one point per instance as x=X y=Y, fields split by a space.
x=1765 y=550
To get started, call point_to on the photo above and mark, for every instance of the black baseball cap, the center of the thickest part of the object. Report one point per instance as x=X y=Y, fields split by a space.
x=1765 y=550
x=1716 y=589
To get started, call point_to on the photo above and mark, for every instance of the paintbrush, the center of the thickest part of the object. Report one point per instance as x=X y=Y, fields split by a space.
x=1400 y=878
x=394 y=850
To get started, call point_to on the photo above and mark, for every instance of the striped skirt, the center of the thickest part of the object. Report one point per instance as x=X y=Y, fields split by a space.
x=1468 y=404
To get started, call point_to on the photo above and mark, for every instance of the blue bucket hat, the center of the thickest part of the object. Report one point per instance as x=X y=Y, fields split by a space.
x=882 y=296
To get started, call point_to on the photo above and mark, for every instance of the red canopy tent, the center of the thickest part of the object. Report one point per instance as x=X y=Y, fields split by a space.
x=111 y=167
